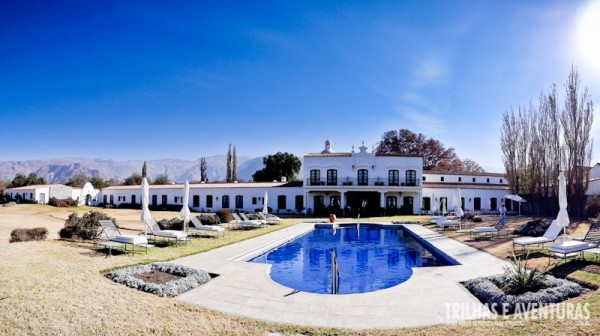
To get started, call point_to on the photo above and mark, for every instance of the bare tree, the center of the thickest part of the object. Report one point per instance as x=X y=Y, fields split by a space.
x=577 y=118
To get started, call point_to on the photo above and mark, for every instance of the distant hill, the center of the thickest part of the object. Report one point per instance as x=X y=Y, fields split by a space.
x=60 y=170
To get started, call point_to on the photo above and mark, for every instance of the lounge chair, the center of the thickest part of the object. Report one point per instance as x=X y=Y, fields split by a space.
x=485 y=230
x=240 y=224
x=205 y=229
x=271 y=219
x=549 y=236
x=444 y=222
x=155 y=231
x=113 y=238
x=245 y=218
x=577 y=246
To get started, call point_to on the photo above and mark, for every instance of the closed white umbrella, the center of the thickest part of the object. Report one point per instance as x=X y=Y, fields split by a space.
x=146 y=216
x=454 y=203
x=563 y=216
x=185 y=210
x=443 y=206
x=459 y=210
x=265 y=206
x=434 y=205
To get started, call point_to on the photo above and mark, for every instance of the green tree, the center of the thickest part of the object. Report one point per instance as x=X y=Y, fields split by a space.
x=134 y=179
x=228 y=172
x=278 y=166
x=144 y=170
x=78 y=180
x=21 y=180
x=203 y=167
x=162 y=179
x=98 y=183
x=234 y=166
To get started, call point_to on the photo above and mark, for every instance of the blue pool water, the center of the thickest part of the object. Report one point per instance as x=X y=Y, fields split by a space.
x=375 y=258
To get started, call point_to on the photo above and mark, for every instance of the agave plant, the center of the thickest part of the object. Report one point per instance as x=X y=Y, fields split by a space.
x=519 y=278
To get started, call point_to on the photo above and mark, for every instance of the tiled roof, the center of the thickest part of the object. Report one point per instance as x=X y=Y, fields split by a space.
x=464 y=185
x=203 y=185
x=431 y=172
x=328 y=155
x=399 y=155
x=36 y=186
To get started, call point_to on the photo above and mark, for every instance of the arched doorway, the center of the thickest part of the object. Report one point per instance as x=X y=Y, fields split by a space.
x=88 y=199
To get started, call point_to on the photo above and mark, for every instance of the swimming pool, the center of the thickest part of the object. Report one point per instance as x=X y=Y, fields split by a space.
x=372 y=258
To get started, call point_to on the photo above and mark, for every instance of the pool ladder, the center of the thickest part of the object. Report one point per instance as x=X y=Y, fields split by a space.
x=335 y=274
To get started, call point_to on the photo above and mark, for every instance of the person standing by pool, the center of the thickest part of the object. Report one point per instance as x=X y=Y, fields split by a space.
x=502 y=212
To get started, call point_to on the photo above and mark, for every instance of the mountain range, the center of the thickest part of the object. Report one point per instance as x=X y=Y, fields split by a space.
x=60 y=170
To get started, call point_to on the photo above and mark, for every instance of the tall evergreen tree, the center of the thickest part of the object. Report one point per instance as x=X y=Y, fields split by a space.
x=234 y=165
x=144 y=170
x=203 y=169
x=228 y=173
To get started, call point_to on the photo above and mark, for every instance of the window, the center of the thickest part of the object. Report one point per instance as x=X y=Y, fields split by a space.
x=315 y=177
x=442 y=179
x=239 y=201
x=319 y=202
x=393 y=177
x=209 y=201
x=460 y=179
x=225 y=201
x=112 y=199
x=424 y=178
x=426 y=203
x=196 y=201
x=164 y=199
x=175 y=199
x=391 y=201
x=411 y=178
x=104 y=199
x=299 y=203
x=133 y=200
x=281 y=202
x=363 y=177
x=254 y=201
x=154 y=200
x=500 y=180
x=488 y=180
x=473 y=180
x=124 y=198
x=331 y=177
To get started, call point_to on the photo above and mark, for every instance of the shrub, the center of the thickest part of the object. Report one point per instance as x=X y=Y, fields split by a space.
x=477 y=219
x=85 y=227
x=192 y=278
x=62 y=203
x=23 y=235
x=129 y=206
x=209 y=219
x=171 y=224
x=533 y=228
x=520 y=279
x=592 y=206
x=224 y=215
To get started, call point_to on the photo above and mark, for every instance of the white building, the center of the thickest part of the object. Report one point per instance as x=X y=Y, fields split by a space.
x=43 y=192
x=350 y=182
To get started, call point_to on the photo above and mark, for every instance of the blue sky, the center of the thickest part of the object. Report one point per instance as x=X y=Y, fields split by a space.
x=153 y=79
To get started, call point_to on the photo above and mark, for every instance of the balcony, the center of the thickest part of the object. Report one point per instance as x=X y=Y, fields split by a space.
x=375 y=182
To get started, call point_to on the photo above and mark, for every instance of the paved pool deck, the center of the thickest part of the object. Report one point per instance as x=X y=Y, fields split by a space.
x=245 y=289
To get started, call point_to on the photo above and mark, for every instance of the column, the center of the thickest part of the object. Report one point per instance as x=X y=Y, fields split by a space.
x=382 y=199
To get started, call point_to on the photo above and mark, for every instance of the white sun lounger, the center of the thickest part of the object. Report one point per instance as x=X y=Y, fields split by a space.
x=443 y=222
x=246 y=219
x=549 y=236
x=489 y=229
x=114 y=238
x=205 y=229
x=271 y=219
x=239 y=224
x=155 y=231
x=577 y=246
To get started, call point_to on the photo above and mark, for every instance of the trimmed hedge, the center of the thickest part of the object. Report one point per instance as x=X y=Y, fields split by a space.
x=192 y=278
x=85 y=227
x=209 y=219
x=62 y=203
x=533 y=228
x=489 y=291
x=171 y=224
x=23 y=235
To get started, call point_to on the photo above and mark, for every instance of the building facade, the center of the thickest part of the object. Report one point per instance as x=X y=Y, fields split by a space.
x=349 y=183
